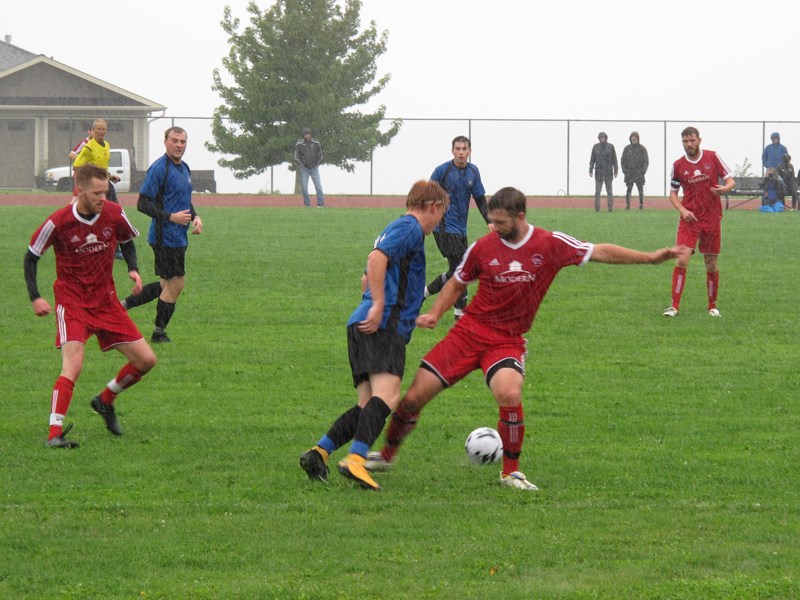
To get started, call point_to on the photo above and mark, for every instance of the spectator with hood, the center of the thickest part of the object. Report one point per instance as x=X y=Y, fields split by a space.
x=772 y=156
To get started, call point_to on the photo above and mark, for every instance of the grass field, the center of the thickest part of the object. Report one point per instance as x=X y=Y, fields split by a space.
x=666 y=450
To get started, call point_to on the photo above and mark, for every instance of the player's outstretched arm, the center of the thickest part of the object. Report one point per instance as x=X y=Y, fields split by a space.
x=619 y=255
x=452 y=291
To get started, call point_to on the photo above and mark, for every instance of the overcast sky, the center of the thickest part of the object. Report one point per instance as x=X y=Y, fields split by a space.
x=616 y=59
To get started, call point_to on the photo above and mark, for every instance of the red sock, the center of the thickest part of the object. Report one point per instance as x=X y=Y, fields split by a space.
x=511 y=427
x=400 y=426
x=678 y=282
x=59 y=405
x=712 y=282
x=127 y=376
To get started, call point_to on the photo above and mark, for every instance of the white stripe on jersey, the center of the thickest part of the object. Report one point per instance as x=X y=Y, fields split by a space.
x=133 y=229
x=571 y=241
x=457 y=272
x=40 y=243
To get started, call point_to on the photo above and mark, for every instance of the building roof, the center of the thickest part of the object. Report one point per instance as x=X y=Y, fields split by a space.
x=11 y=56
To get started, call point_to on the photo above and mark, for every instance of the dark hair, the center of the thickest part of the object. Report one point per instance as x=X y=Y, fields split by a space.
x=87 y=172
x=427 y=192
x=690 y=131
x=510 y=200
x=461 y=138
x=174 y=129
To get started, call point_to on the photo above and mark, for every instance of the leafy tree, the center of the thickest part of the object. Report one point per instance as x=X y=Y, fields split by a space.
x=301 y=63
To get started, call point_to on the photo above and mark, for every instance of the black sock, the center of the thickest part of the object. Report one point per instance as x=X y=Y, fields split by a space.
x=150 y=292
x=371 y=421
x=435 y=286
x=344 y=427
x=164 y=312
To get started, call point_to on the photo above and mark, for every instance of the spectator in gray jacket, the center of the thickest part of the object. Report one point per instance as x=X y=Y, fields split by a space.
x=634 y=163
x=603 y=165
x=308 y=155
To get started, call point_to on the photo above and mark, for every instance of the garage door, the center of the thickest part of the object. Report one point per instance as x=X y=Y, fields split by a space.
x=17 y=169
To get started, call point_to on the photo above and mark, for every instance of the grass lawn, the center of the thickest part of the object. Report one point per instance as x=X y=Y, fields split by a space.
x=666 y=450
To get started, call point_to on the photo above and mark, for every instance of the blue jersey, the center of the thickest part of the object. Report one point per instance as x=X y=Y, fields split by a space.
x=177 y=197
x=403 y=242
x=461 y=185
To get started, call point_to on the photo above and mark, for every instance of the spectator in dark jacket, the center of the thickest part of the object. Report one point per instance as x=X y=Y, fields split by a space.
x=772 y=156
x=774 y=189
x=308 y=155
x=634 y=164
x=786 y=172
x=603 y=165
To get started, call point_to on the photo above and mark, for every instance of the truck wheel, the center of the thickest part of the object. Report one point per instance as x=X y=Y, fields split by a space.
x=64 y=184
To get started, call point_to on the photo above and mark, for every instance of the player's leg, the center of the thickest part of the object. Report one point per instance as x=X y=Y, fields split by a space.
x=149 y=292
x=436 y=284
x=610 y=192
x=72 y=354
x=640 y=187
x=687 y=236
x=628 y=196
x=710 y=246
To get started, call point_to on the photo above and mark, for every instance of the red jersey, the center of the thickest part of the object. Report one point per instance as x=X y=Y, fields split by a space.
x=514 y=278
x=697 y=178
x=84 y=252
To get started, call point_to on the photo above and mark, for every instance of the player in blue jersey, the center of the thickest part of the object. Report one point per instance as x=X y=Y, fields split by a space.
x=462 y=181
x=378 y=331
x=166 y=197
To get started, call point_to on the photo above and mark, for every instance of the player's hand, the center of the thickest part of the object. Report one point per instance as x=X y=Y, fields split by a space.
x=41 y=307
x=688 y=216
x=373 y=321
x=720 y=190
x=183 y=217
x=197 y=225
x=427 y=321
x=137 y=282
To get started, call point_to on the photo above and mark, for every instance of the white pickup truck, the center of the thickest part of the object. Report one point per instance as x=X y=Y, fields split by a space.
x=130 y=178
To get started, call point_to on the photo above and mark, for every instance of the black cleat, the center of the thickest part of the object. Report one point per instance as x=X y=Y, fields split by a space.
x=61 y=441
x=160 y=337
x=109 y=415
x=314 y=464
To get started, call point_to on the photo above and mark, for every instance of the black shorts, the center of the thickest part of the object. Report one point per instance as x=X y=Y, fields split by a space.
x=452 y=246
x=381 y=352
x=169 y=261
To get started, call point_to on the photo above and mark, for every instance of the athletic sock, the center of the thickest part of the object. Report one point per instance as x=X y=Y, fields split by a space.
x=150 y=292
x=678 y=282
x=164 y=312
x=511 y=427
x=435 y=286
x=370 y=425
x=59 y=405
x=712 y=282
x=342 y=430
x=128 y=375
x=401 y=424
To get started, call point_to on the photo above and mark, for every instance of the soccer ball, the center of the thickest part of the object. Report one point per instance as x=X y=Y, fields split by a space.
x=484 y=446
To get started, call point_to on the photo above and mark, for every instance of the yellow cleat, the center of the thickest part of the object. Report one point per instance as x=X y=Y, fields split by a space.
x=353 y=468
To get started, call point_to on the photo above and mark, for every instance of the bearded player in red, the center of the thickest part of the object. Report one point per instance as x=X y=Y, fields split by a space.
x=84 y=236
x=699 y=174
x=514 y=267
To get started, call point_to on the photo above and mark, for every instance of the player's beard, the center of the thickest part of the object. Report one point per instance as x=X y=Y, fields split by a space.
x=511 y=234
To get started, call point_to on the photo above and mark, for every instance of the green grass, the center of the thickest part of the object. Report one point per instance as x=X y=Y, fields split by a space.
x=666 y=450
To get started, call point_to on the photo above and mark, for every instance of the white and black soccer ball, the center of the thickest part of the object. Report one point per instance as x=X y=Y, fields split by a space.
x=484 y=446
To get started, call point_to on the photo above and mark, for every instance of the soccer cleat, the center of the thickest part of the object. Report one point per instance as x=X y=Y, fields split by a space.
x=61 y=441
x=109 y=415
x=353 y=468
x=517 y=480
x=376 y=463
x=159 y=337
x=315 y=464
x=714 y=312
x=671 y=312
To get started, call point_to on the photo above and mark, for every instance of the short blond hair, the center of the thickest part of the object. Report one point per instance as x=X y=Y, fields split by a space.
x=427 y=192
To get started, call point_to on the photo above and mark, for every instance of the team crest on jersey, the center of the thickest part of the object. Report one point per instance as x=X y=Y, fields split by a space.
x=537 y=260
x=107 y=232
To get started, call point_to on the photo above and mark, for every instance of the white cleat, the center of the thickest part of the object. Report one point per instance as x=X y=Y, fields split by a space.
x=376 y=463
x=713 y=312
x=517 y=480
x=671 y=312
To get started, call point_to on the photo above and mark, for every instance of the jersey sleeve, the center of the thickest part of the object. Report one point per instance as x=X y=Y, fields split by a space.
x=42 y=238
x=468 y=269
x=569 y=251
x=674 y=182
x=723 y=172
x=125 y=229
x=477 y=189
x=153 y=179
x=400 y=239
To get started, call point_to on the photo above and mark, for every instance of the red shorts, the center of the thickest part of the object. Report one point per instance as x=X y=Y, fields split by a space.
x=709 y=234
x=470 y=345
x=109 y=322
